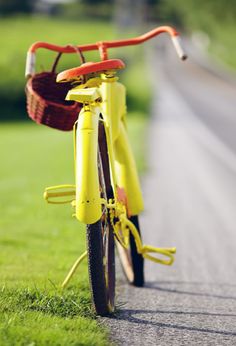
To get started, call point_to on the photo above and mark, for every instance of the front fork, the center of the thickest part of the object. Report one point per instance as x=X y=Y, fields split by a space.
x=85 y=195
x=88 y=202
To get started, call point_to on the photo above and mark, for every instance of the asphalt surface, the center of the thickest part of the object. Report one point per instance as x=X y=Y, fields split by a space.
x=190 y=203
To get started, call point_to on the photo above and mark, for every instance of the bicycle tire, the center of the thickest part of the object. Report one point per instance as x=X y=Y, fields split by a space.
x=100 y=243
x=131 y=261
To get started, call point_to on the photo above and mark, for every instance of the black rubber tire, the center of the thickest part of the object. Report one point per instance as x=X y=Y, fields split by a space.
x=102 y=289
x=131 y=261
x=100 y=242
x=137 y=259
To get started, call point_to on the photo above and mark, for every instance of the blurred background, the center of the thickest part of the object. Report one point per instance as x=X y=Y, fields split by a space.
x=210 y=23
x=193 y=164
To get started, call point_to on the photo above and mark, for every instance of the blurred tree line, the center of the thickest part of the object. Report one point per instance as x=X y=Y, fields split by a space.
x=82 y=9
x=186 y=14
x=216 y=17
x=193 y=14
x=11 y=7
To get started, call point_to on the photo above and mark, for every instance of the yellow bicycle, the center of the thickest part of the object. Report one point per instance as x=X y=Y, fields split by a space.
x=106 y=195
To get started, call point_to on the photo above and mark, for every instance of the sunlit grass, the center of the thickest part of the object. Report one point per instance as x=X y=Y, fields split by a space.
x=39 y=242
x=18 y=33
x=35 y=317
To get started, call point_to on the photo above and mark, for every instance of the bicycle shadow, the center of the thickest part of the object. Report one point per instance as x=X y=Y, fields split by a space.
x=158 y=287
x=155 y=317
x=129 y=315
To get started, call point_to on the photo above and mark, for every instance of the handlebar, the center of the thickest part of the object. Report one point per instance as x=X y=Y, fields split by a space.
x=103 y=46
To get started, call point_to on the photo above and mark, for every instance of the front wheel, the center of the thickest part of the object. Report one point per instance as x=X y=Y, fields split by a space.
x=101 y=265
x=131 y=261
x=100 y=241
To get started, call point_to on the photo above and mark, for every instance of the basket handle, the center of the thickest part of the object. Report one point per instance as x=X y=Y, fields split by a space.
x=77 y=50
x=54 y=66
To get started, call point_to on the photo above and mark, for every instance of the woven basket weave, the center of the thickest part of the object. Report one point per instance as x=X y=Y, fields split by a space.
x=46 y=101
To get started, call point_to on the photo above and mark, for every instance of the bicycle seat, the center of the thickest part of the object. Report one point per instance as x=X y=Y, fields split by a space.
x=90 y=67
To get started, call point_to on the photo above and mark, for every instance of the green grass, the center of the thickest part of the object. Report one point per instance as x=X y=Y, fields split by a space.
x=215 y=18
x=34 y=317
x=18 y=33
x=32 y=29
x=222 y=43
x=39 y=242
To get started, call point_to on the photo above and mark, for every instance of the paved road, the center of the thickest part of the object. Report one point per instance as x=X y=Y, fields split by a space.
x=190 y=198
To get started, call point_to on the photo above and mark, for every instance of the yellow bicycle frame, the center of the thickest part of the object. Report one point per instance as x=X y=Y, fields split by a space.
x=103 y=100
x=108 y=100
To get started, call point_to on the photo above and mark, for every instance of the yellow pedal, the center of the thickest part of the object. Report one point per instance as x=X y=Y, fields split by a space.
x=60 y=194
x=147 y=251
x=167 y=252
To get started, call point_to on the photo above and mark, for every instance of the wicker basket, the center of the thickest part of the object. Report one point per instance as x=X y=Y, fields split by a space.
x=46 y=101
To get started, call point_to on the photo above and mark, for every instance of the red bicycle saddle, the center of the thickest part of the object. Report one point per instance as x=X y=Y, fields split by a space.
x=90 y=67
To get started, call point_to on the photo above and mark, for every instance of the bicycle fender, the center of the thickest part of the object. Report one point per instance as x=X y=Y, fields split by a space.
x=88 y=203
x=126 y=172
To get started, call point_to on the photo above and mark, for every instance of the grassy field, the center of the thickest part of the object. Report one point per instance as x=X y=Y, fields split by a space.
x=18 y=33
x=39 y=242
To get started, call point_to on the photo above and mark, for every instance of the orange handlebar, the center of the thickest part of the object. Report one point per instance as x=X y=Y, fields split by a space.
x=103 y=46
x=106 y=44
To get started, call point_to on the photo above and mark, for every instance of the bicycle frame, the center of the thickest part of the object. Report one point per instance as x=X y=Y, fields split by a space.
x=122 y=165
x=103 y=100
x=113 y=109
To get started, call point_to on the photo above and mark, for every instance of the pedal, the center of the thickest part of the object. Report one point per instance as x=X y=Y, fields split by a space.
x=147 y=251
x=59 y=194
x=168 y=252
